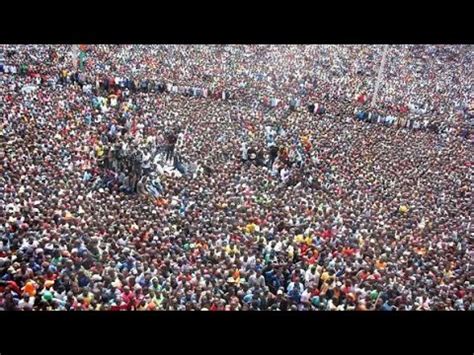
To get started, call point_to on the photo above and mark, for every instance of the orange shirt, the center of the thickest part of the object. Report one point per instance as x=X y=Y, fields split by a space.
x=30 y=289
x=380 y=265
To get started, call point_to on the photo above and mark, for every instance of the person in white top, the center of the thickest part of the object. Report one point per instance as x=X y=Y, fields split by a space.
x=311 y=276
x=305 y=296
x=244 y=151
x=284 y=175
x=26 y=303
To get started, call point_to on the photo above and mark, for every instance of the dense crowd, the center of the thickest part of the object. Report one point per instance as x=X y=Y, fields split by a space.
x=240 y=177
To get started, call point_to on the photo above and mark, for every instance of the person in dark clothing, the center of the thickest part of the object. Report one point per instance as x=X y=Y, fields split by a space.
x=252 y=153
x=161 y=88
x=178 y=164
x=143 y=86
x=171 y=140
x=105 y=85
x=273 y=154
x=260 y=159
x=207 y=170
x=126 y=84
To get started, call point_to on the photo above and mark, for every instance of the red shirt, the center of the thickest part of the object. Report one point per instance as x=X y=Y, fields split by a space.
x=13 y=286
x=304 y=248
x=348 y=252
x=326 y=234
x=312 y=260
x=128 y=298
x=51 y=277
x=345 y=289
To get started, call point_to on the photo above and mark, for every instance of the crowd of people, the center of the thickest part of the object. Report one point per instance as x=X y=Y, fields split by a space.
x=237 y=177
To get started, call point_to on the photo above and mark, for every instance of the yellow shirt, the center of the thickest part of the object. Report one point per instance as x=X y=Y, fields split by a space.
x=448 y=273
x=99 y=151
x=250 y=228
x=325 y=276
x=89 y=298
x=299 y=239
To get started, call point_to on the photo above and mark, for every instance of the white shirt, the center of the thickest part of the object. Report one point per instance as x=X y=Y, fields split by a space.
x=310 y=277
x=278 y=246
x=29 y=305
x=292 y=285
x=305 y=296
x=244 y=151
